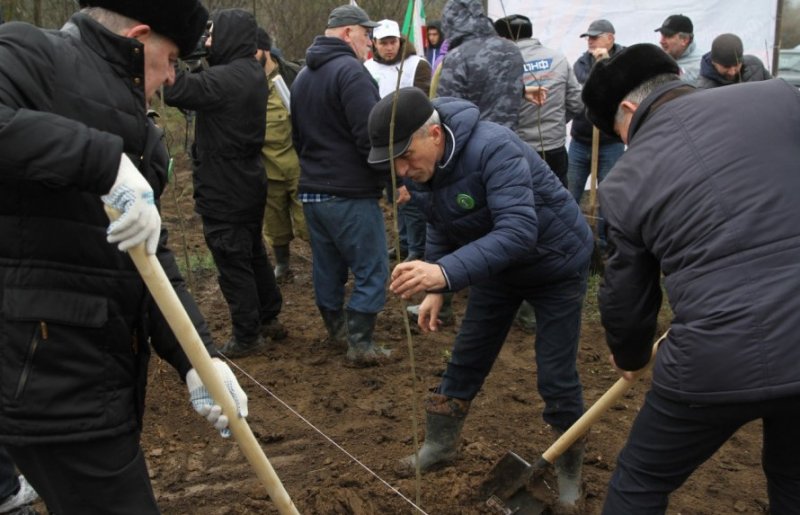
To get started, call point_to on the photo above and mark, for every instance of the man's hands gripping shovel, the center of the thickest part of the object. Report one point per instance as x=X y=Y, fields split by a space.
x=214 y=391
x=508 y=487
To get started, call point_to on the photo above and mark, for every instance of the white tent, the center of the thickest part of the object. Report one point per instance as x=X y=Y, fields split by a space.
x=559 y=24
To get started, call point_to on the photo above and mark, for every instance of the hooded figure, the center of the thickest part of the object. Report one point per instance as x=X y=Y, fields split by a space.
x=434 y=36
x=480 y=66
x=230 y=184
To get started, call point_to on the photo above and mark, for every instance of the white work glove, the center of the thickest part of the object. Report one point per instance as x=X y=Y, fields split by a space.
x=205 y=405
x=139 y=220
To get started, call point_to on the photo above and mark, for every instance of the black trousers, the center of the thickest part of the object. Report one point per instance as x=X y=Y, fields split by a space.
x=558 y=161
x=99 y=477
x=245 y=275
x=670 y=439
x=9 y=483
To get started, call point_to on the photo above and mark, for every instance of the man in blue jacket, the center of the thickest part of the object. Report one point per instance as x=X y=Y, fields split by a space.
x=710 y=203
x=500 y=222
x=331 y=100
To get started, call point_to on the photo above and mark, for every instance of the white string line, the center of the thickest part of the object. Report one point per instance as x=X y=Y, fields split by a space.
x=312 y=426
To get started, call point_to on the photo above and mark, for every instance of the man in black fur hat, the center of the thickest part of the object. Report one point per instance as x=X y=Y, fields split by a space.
x=710 y=203
x=76 y=321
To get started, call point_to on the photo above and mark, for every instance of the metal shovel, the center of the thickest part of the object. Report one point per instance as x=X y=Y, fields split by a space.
x=509 y=486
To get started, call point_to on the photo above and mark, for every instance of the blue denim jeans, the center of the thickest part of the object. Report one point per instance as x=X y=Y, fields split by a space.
x=348 y=234
x=579 y=167
x=670 y=439
x=490 y=312
x=412 y=225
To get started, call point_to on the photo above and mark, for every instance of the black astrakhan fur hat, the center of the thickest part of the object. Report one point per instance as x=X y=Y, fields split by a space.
x=182 y=21
x=611 y=79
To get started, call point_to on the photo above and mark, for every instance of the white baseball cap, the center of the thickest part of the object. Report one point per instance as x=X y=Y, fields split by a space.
x=385 y=29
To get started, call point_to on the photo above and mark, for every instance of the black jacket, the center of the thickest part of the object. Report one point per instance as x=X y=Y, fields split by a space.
x=581 y=127
x=331 y=100
x=230 y=98
x=712 y=202
x=75 y=317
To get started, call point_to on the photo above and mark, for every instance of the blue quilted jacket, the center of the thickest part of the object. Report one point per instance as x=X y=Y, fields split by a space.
x=495 y=210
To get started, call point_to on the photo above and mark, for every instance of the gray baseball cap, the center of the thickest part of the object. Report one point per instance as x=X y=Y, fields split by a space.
x=598 y=27
x=345 y=15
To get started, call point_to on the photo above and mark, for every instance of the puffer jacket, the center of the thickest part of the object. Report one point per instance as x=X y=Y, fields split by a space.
x=495 y=210
x=710 y=202
x=752 y=70
x=230 y=98
x=480 y=66
x=75 y=317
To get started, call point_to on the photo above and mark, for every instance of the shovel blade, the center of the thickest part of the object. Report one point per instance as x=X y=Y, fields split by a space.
x=521 y=503
x=506 y=477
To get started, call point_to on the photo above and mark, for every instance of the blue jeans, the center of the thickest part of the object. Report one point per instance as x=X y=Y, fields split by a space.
x=579 y=167
x=348 y=234
x=670 y=439
x=490 y=312
x=412 y=225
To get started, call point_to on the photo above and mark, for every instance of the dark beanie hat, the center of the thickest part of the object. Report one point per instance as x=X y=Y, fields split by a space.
x=514 y=27
x=263 y=41
x=611 y=79
x=727 y=50
x=182 y=21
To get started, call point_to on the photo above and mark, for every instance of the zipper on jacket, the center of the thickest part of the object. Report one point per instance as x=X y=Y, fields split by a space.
x=26 y=370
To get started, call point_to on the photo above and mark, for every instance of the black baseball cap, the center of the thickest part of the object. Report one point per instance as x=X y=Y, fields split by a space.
x=674 y=24
x=598 y=27
x=345 y=15
x=413 y=110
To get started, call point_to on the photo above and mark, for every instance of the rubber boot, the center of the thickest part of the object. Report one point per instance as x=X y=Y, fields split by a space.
x=444 y=418
x=568 y=470
x=336 y=325
x=526 y=318
x=362 y=351
x=283 y=273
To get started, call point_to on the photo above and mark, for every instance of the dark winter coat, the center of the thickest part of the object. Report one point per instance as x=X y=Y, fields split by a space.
x=707 y=195
x=752 y=70
x=331 y=100
x=480 y=66
x=230 y=98
x=495 y=210
x=75 y=317
x=433 y=51
x=581 y=127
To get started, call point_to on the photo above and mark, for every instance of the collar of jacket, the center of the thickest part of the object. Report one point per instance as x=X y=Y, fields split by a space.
x=126 y=54
x=660 y=96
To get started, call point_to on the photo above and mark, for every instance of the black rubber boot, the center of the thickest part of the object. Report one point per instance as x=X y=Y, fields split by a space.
x=336 y=325
x=361 y=350
x=237 y=349
x=568 y=469
x=444 y=418
x=283 y=272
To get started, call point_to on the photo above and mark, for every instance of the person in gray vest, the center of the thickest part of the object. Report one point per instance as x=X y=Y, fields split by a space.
x=677 y=40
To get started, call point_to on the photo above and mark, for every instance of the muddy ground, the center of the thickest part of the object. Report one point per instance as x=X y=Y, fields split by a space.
x=333 y=434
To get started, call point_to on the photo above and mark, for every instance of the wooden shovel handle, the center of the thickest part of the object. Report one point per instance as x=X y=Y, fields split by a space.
x=593 y=179
x=593 y=414
x=167 y=300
